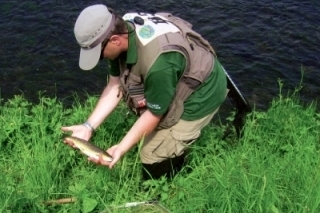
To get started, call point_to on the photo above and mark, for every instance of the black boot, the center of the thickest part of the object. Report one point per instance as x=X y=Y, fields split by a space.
x=169 y=168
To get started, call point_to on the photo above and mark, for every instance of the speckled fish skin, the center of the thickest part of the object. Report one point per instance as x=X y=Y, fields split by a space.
x=88 y=148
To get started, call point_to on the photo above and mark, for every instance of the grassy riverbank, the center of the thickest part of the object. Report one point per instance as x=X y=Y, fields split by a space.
x=275 y=167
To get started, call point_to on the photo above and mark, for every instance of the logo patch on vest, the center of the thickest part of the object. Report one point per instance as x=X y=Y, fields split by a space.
x=146 y=32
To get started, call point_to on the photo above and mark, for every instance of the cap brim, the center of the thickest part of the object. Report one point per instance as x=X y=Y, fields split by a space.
x=89 y=58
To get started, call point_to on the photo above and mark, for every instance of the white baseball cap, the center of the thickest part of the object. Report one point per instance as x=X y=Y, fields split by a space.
x=92 y=27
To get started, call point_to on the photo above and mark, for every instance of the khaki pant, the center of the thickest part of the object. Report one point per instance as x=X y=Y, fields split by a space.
x=169 y=143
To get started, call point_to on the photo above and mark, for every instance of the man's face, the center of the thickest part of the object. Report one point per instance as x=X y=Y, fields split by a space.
x=112 y=48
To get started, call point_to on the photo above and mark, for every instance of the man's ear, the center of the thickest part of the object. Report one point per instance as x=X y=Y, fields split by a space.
x=115 y=39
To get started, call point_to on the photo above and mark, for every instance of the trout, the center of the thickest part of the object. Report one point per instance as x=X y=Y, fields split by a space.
x=88 y=148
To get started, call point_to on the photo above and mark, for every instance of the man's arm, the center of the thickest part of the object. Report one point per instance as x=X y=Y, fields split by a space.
x=108 y=101
x=145 y=124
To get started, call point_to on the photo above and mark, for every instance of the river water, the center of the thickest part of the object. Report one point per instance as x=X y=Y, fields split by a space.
x=258 y=42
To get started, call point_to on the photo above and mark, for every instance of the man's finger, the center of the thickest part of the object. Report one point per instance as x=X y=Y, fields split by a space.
x=68 y=142
x=66 y=129
x=94 y=160
x=113 y=162
x=102 y=161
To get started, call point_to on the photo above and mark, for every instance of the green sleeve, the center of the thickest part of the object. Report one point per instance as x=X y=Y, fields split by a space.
x=161 y=81
x=114 y=67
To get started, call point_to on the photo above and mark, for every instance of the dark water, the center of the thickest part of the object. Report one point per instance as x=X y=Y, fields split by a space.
x=258 y=42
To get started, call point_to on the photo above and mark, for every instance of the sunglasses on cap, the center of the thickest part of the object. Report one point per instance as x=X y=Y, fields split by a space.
x=103 y=46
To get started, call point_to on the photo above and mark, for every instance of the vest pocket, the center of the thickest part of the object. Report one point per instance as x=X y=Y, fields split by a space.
x=136 y=100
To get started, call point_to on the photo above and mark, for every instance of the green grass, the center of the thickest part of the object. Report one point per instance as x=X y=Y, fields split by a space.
x=274 y=167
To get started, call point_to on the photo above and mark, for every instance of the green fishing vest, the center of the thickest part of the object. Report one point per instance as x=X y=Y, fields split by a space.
x=199 y=64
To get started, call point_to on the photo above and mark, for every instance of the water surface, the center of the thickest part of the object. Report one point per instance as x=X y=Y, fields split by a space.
x=258 y=42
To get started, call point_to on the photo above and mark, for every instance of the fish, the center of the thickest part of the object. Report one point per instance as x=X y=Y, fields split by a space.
x=88 y=148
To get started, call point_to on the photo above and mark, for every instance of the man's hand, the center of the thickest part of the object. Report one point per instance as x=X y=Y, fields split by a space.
x=116 y=154
x=79 y=131
x=146 y=123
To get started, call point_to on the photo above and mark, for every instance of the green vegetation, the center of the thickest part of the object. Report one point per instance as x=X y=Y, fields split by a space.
x=274 y=167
